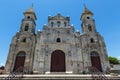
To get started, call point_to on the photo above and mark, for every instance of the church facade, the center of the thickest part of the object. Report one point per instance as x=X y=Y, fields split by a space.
x=57 y=48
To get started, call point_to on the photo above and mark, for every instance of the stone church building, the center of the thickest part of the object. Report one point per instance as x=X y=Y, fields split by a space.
x=58 y=47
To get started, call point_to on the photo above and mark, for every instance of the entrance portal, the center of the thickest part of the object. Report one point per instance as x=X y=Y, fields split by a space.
x=19 y=62
x=58 y=61
x=95 y=60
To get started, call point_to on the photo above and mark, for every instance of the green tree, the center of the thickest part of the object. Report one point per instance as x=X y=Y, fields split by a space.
x=113 y=60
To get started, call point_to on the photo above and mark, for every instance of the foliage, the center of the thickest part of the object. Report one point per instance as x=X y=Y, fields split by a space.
x=113 y=60
x=2 y=67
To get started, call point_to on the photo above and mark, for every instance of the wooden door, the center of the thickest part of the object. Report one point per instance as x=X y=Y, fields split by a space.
x=95 y=60
x=58 y=61
x=19 y=62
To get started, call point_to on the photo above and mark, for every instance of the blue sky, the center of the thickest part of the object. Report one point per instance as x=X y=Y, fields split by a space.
x=106 y=15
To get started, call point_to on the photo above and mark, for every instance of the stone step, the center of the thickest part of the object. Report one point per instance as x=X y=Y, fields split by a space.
x=70 y=72
x=60 y=77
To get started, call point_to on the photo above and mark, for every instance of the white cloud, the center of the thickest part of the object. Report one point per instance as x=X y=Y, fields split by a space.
x=118 y=57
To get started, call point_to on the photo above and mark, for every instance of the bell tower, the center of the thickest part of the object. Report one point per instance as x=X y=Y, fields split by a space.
x=28 y=23
x=93 y=45
x=88 y=25
x=22 y=47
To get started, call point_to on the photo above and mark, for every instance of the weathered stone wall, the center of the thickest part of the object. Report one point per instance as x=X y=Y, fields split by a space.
x=58 y=35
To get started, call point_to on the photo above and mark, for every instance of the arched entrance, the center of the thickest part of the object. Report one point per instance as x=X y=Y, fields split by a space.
x=95 y=61
x=19 y=62
x=58 y=61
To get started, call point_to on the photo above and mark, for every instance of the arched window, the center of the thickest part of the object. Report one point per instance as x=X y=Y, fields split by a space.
x=88 y=17
x=58 y=32
x=90 y=28
x=92 y=40
x=58 y=40
x=28 y=17
x=65 y=24
x=52 y=24
x=24 y=40
x=26 y=27
x=58 y=23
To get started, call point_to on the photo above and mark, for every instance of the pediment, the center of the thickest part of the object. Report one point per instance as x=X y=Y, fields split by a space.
x=58 y=17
